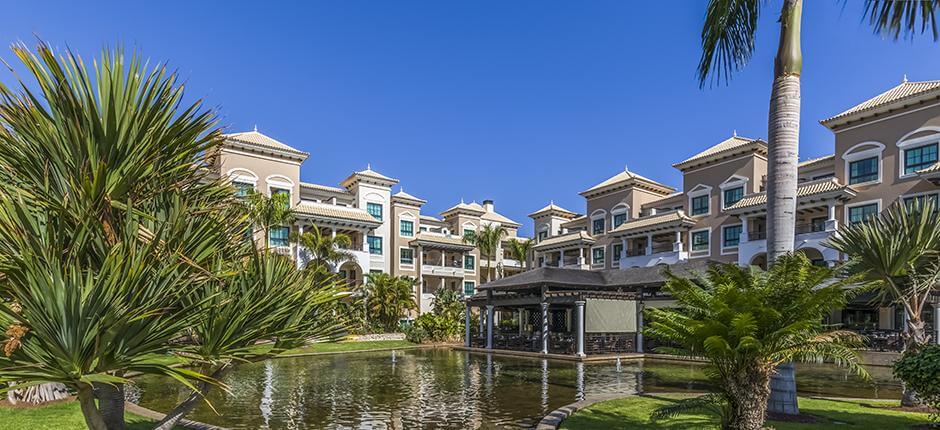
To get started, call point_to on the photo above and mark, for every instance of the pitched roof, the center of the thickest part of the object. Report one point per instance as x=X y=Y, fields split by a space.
x=812 y=161
x=900 y=93
x=323 y=188
x=564 y=239
x=259 y=140
x=655 y=222
x=552 y=207
x=336 y=212
x=401 y=194
x=439 y=240
x=934 y=168
x=368 y=173
x=602 y=279
x=722 y=149
x=474 y=208
x=576 y=220
x=803 y=190
x=624 y=178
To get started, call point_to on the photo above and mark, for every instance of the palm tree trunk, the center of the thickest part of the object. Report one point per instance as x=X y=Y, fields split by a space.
x=783 y=138
x=86 y=400
x=914 y=339
x=747 y=393
x=111 y=404
x=173 y=417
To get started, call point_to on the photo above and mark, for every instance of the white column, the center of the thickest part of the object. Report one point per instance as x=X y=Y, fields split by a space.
x=579 y=321
x=623 y=248
x=300 y=232
x=561 y=258
x=544 y=328
x=677 y=245
x=744 y=228
x=521 y=321
x=333 y=233
x=489 y=326
x=581 y=256
x=466 y=329
x=649 y=244
x=832 y=224
x=482 y=322
x=639 y=326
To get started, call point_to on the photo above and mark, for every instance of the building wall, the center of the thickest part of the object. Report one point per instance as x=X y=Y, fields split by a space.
x=268 y=171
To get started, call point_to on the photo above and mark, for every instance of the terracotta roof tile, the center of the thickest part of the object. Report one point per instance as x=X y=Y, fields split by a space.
x=900 y=92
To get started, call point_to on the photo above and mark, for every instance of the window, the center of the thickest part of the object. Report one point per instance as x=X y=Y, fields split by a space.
x=732 y=195
x=865 y=170
x=598 y=226
x=731 y=236
x=468 y=287
x=617 y=250
x=700 y=205
x=542 y=235
x=619 y=219
x=468 y=232
x=469 y=262
x=277 y=236
x=374 y=209
x=861 y=213
x=817 y=224
x=406 y=228
x=919 y=158
x=597 y=255
x=243 y=188
x=920 y=200
x=700 y=240
x=824 y=176
x=375 y=245
x=407 y=256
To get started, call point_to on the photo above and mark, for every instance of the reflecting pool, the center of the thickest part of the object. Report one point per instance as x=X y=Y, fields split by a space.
x=445 y=389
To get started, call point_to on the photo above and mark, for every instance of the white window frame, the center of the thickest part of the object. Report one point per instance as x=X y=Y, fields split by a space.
x=414 y=257
x=620 y=208
x=604 y=261
x=615 y=260
x=851 y=155
x=865 y=203
x=700 y=254
x=699 y=191
x=904 y=144
x=727 y=250
x=463 y=263
x=903 y=197
x=408 y=216
x=596 y=215
x=464 y=287
x=734 y=181
x=239 y=174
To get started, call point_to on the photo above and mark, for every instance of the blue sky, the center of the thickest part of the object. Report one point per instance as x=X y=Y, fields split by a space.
x=552 y=97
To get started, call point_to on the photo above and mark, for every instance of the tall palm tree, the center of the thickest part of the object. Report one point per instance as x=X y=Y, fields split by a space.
x=900 y=251
x=388 y=298
x=107 y=224
x=266 y=212
x=325 y=250
x=487 y=240
x=727 y=45
x=745 y=322
x=520 y=250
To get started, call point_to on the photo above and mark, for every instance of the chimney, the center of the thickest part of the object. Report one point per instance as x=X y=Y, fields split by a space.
x=488 y=205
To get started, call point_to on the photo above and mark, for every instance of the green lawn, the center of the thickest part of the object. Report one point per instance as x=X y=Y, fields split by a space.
x=633 y=413
x=351 y=346
x=64 y=415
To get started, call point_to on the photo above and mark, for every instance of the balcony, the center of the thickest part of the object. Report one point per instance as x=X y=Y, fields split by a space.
x=438 y=270
x=808 y=237
x=661 y=254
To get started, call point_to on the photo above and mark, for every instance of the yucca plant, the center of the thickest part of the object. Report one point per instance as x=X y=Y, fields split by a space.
x=266 y=307
x=746 y=322
x=898 y=250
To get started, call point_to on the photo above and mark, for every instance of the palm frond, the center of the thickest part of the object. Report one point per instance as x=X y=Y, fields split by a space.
x=727 y=38
x=898 y=19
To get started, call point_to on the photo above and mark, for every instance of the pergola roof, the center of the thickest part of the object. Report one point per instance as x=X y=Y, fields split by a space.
x=806 y=192
x=575 y=238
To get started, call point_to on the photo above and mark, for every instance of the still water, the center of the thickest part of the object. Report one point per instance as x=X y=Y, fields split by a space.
x=446 y=389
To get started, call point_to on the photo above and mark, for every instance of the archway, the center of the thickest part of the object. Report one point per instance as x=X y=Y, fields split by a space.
x=351 y=273
x=760 y=260
x=813 y=255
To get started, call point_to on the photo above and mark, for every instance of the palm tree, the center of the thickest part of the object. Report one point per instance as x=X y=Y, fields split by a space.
x=108 y=222
x=900 y=251
x=266 y=308
x=487 y=241
x=746 y=322
x=520 y=250
x=325 y=251
x=388 y=298
x=266 y=212
x=727 y=45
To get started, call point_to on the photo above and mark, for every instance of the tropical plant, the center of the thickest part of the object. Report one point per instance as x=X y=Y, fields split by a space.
x=107 y=223
x=921 y=372
x=443 y=324
x=388 y=298
x=900 y=251
x=746 y=322
x=728 y=36
x=487 y=240
x=325 y=250
x=520 y=250
x=267 y=212
x=266 y=308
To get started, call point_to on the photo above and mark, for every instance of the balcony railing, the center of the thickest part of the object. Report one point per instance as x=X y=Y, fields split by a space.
x=814 y=227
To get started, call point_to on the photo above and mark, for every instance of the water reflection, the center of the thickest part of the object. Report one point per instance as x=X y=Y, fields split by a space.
x=440 y=388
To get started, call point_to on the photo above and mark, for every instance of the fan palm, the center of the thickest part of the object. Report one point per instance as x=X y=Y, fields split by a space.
x=325 y=251
x=900 y=251
x=520 y=250
x=266 y=212
x=487 y=240
x=388 y=298
x=728 y=36
x=267 y=301
x=745 y=322
x=108 y=222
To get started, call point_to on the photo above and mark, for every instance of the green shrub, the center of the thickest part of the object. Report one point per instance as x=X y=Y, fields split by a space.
x=920 y=371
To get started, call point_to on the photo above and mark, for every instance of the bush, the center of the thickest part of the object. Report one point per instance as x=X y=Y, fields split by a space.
x=432 y=327
x=920 y=371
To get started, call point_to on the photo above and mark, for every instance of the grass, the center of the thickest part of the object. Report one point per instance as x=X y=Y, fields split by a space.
x=63 y=415
x=633 y=413
x=66 y=415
